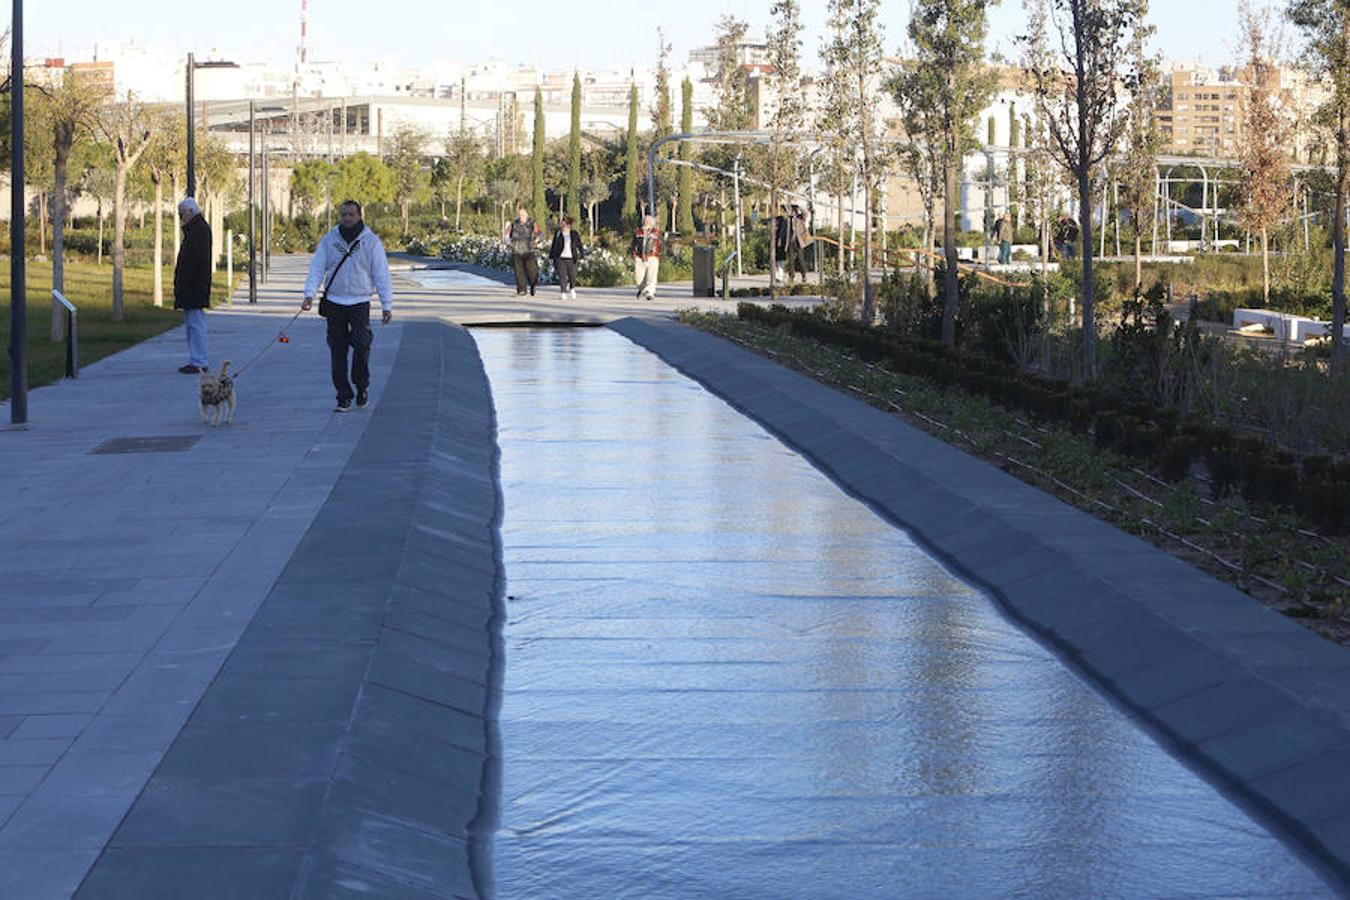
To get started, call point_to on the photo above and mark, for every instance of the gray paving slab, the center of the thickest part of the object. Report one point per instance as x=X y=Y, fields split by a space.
x=341 y=740
x=1252 y=699
x=130 y=577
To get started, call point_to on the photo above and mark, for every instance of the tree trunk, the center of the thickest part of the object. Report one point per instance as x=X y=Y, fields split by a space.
x=1085 y=238
x=1138 y=261
x=869 y=309
x=773 y=242
x=925 y=256
x=1338 y=242
x=42 y=222
x=59 y=164
x=1265 y=266
x=100 y=232
x=119 y=233
x=841 y=217
x=159 y=241
x=952 y=301
x=459 y=198
x=177 y=232
x=405 y=216
x=216 y=219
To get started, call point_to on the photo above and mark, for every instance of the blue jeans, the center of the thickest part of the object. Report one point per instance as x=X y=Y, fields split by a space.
x=1005 y=253
x=195 y=320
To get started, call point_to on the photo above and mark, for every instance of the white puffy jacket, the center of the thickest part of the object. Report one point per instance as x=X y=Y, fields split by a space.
x=366 y=273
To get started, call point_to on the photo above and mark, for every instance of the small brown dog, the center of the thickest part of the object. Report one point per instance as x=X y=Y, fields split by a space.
x=217 y=393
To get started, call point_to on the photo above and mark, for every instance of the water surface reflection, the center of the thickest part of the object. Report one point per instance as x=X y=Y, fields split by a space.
x=726 y=678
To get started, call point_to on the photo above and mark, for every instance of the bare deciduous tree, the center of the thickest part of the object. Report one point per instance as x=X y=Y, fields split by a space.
x=942 y=95
x=785 y=43
x=1326 y=26
x=1077 y=96
x=1138 y=168
x=1267 y=131
x=128 y=128
x=164 y=156
x=853 y=53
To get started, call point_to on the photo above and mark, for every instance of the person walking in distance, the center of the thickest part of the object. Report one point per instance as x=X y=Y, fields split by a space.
x=521 y=235
x=192 y=282
x=566 y=254
x=646 y=258
x=351 y=258
x=1003 y=233
x=780 y=240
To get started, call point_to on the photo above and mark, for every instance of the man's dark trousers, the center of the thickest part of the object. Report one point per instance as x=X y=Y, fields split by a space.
x=527 y=271
x=796 y=260
x=349 y=326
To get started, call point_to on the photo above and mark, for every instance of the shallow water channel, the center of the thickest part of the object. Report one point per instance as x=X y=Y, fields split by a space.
x=726 y=678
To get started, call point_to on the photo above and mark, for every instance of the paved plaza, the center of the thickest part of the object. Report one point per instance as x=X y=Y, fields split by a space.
x=618 y=610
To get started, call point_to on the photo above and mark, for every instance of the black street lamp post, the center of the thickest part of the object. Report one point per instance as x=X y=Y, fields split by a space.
x=192 y=67
x=252 y=210
x=18 y=306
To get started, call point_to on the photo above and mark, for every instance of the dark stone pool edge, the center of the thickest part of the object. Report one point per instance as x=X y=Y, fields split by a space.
x=1247 y=697
x=349 y=743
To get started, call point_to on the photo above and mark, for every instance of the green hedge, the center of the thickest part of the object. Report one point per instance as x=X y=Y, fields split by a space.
x=1319 y=487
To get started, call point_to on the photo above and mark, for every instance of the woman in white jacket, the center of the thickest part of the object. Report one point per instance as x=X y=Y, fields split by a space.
x=351 y=259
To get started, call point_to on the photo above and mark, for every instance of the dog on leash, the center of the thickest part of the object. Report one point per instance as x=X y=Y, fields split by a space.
x=217 y=392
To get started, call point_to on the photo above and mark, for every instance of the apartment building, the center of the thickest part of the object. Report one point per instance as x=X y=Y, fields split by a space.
x=1201 y=114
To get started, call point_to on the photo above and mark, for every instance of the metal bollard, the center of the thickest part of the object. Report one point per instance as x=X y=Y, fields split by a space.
x=229 y=267
x=72 y=335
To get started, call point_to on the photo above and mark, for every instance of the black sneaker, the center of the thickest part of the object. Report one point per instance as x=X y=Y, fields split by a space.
x=343 y=406
x=362 y=397
x=190 y=369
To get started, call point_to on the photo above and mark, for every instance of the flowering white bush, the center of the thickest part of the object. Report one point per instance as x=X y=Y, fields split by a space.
x=488 y=252
x=601 y=267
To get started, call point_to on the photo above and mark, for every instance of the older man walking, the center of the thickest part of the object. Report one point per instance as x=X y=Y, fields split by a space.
x=521 y=235
x=646 y=258
x=192 y=282
x=351 y=257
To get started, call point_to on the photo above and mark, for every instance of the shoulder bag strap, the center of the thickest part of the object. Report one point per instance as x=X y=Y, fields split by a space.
x=323 y=295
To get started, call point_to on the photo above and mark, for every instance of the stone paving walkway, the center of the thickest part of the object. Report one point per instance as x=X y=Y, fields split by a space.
x=129 y=577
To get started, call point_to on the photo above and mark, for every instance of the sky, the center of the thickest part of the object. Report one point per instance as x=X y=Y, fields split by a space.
x=591 y=34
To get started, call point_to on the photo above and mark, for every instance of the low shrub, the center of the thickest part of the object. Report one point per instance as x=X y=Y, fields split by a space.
x=1126 y=424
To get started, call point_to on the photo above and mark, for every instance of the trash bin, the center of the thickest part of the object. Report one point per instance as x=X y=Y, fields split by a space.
x=705 y=270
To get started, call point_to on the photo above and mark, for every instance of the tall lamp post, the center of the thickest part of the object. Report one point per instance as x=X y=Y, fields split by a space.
x=18 y=307
x=252 y=210
x=192 y=67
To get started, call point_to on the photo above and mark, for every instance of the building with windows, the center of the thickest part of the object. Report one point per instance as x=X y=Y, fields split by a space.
x=1202 y=110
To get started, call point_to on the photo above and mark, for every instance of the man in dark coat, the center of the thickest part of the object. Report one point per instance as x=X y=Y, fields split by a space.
x=192 y=282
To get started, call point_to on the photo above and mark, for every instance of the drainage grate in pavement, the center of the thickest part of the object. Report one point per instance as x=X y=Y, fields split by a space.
x=172 y=443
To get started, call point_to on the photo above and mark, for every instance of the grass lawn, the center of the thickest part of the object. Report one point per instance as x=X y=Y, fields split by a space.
x=89 y=287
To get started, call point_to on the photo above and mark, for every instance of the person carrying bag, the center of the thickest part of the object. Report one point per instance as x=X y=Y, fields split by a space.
x=362 y=269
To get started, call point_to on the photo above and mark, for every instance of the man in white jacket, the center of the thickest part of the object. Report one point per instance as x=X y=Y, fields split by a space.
x=351 y=258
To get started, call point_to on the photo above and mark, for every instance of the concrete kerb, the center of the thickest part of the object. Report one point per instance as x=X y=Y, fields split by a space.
x=1136 y=636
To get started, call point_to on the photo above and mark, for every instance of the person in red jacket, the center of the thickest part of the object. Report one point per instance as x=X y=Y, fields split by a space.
x=646 y=258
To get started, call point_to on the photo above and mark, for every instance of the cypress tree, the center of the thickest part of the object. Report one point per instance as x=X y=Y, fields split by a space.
x=685 y=209
x=538 y=205
x=574 y=152
x=630 y=175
